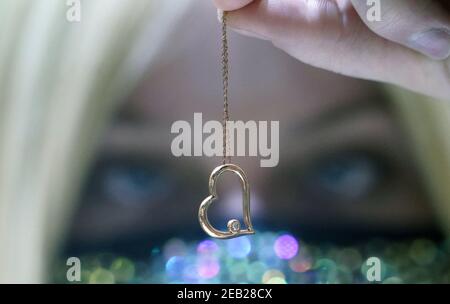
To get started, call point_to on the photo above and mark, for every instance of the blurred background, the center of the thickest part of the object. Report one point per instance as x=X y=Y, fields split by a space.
x=86 y=168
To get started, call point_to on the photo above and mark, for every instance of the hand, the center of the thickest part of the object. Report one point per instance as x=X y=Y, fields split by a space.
x=409 y=46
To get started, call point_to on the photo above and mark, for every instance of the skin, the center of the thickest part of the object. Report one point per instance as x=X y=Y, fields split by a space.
x=265 y=85
x=409 y=47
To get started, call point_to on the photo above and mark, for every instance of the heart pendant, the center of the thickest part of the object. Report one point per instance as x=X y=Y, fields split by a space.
x=234 y=226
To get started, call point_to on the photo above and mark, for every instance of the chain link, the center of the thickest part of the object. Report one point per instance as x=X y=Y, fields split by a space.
x=226 y=113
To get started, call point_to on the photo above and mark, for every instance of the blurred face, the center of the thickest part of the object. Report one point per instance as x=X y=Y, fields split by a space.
x=345 y=174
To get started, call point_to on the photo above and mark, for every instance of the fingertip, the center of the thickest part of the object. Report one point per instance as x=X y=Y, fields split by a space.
x=434 y=43
x=231 y=5
x=408 y=23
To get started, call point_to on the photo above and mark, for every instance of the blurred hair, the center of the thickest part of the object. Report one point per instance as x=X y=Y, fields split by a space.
x=60 y=82
x=427 y=122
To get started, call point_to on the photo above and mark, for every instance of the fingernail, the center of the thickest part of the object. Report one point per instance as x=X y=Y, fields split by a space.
x=434 y=43
x=219 y=15
x=249 y=34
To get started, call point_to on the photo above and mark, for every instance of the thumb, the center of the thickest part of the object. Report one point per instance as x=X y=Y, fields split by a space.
x=422 y=25
x=330 y=34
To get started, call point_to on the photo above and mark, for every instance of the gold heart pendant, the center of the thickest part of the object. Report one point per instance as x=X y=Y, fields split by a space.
x=234 y=226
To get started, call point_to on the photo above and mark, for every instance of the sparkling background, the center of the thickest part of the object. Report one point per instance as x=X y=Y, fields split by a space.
x=271 y=258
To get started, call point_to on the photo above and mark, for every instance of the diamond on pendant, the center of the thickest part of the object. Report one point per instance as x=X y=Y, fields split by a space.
x=234 y=226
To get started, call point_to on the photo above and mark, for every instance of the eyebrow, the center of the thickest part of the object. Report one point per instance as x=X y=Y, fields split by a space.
x=342 y=111
x=135 y=137
x=129 y=137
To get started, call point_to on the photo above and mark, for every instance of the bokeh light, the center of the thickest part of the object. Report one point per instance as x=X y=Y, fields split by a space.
x=101 y=276
x=239 y=247
x=208 y=267
x=208 y=247
x=123 y=270
x=276 y=280
x=326 y=271
x=256 y=271
x=422 y=252
x=238 y=270
x=272 y=274
x=268 y=257
x=300 y=264
x=286 y=247
x=190 y=272
x=174 y=247
x=175 y=266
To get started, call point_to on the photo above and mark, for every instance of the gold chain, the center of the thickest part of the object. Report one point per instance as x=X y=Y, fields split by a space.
x=234 y=226
x=226 y=113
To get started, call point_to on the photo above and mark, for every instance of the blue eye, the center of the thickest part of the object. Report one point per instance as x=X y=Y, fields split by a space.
x=133 y=184
x=345 y=177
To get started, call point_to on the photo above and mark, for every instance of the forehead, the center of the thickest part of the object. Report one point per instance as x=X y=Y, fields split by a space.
x=265 y=83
